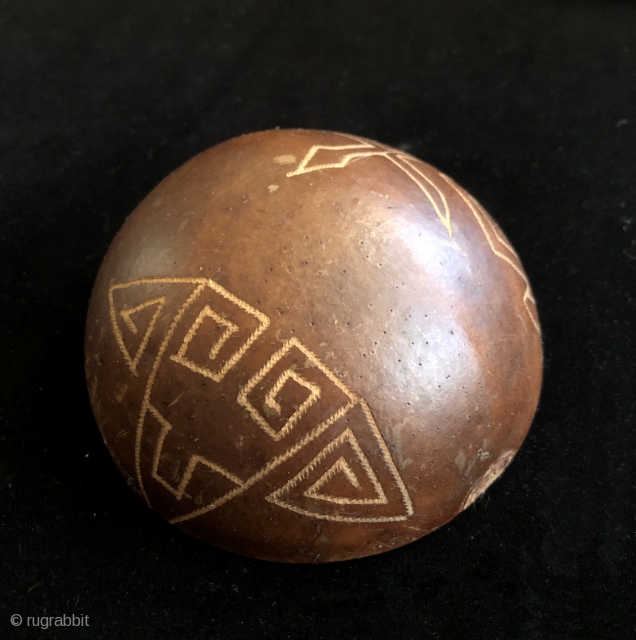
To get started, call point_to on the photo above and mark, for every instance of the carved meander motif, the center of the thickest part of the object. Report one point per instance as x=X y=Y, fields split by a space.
x=348 y=480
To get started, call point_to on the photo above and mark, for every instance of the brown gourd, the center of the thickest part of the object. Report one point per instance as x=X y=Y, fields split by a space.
x=306 y=346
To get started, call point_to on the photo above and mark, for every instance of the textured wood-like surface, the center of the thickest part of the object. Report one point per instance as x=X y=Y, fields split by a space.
x=306 y=346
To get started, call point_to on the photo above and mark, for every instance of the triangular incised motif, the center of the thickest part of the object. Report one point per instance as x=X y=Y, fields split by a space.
x=347 y=481
x=339 y=483
x=135 y=319
x=323 y=488
x=128 y=313
x=136 y=308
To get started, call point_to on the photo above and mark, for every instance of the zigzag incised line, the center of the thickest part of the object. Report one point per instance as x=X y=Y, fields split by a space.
x=398 y=159
x=410 y=166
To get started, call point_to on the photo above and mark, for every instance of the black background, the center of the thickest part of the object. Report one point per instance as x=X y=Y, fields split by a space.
x=530 y=105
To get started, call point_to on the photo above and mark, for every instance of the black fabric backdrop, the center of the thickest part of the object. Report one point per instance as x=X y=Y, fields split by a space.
x=528 y=104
